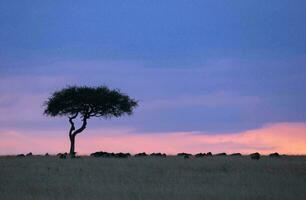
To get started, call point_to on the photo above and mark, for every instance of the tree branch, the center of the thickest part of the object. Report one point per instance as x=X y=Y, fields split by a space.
x=82 y=127
x=72 y=127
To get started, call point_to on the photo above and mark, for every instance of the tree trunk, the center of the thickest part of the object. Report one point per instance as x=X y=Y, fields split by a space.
x=73 y=132
x=72 y=145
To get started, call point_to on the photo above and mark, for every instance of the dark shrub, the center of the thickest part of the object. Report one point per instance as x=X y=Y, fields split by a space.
x=46 y=154
x=140 y=154
x=235 y=154
x=274 y=155
x=221 y=154
x=110 y=155
x=20 y=155
x=101 y=154
x=255 y=156
x=122 y=155
x=200 y=155
x=62 y=155
x=29 y=154
x=209 y=154
x=158 y=154
x=185 y=155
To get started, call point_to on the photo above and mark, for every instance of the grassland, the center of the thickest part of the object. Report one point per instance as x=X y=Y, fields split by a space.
x=147 y=178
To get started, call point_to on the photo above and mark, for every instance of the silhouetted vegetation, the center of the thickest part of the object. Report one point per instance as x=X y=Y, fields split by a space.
x=62 y=155
x=105 y=154
x=200 y=155
x=99 y=154
x=87 y=102
x=255 y=156
x=158 y=154
x=122 y=155
x=236 y=154
x=274 y=155
x=29 y=154
x=221 y=154
x=184 y=155
x=209 y=154
x=110 y=155
x=143 y=154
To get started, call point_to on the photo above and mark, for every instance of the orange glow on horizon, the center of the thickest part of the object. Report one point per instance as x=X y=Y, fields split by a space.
x=285 y=138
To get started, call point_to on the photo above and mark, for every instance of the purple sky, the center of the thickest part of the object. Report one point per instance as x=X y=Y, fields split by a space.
x=197 y=66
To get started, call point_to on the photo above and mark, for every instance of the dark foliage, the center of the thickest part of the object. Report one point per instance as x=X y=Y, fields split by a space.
x=29 y=154
x=122 y=155
x=89 y=102
x=221 y=154
x=274 y=155
x=200 y=155
x=20 y=155
x=236 y=154
x=209 y=154
x=110 y=155
x=255 y=156
x=158 y=154
x=62 y=155
x=100 y=154
x=184 y=155
x=143 y=154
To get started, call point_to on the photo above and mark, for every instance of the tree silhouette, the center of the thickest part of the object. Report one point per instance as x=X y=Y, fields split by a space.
x=87 y=102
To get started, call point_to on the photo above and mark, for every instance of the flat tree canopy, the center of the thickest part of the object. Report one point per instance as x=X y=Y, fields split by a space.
x=87 y=102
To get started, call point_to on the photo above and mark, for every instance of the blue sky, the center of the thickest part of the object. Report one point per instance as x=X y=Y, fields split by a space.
x=209 y=66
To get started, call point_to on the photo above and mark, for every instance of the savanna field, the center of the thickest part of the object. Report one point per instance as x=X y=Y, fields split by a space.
x=146 y=178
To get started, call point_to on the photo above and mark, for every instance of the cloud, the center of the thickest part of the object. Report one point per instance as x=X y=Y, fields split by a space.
x=286 y=138
x=218 y=95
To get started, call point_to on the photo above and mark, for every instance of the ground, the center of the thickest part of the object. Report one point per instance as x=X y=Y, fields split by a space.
x=170 y=178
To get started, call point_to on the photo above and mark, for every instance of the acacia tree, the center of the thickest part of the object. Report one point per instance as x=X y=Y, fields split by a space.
x=87 y=102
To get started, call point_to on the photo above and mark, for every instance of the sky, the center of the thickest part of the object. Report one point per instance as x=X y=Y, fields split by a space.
x=219 y=76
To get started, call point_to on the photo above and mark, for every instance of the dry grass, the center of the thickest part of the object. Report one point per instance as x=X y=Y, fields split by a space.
x=153 y=178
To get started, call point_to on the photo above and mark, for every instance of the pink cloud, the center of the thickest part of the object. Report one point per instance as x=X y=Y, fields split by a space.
x=286 y=138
